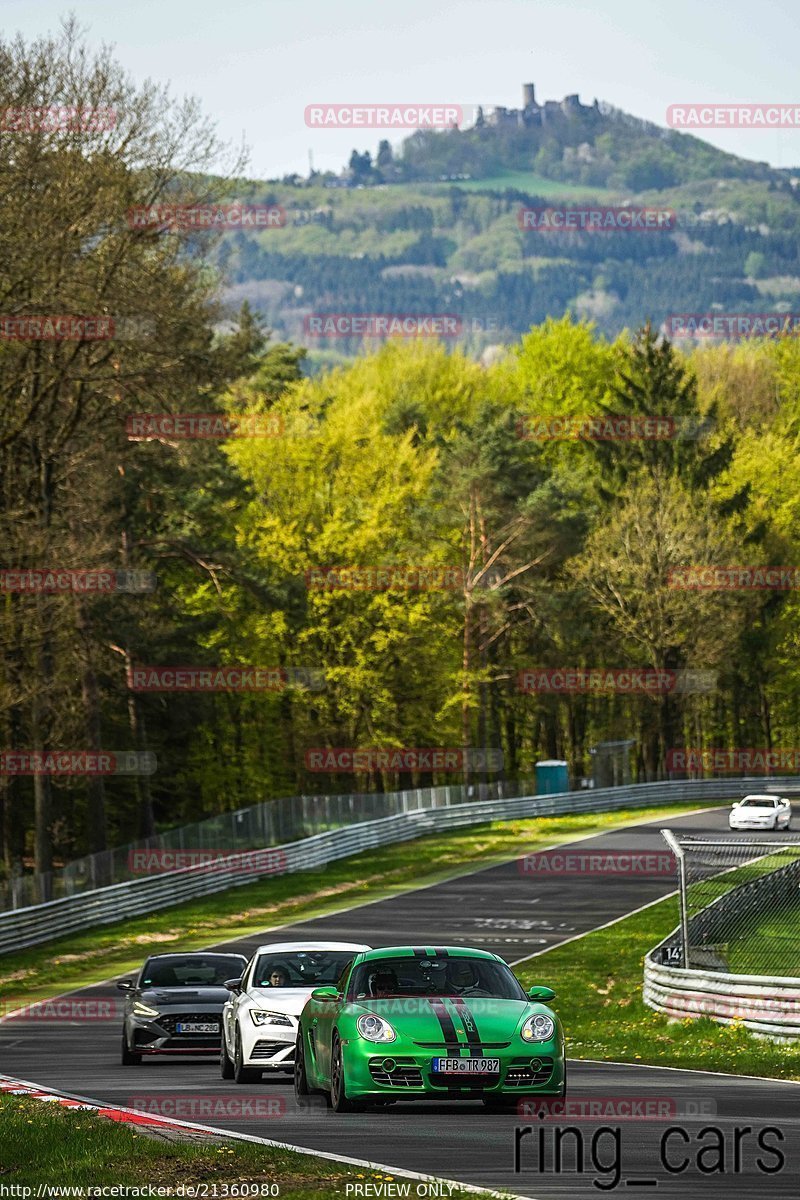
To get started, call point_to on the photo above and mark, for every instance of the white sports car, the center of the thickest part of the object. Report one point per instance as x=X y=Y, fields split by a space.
x=761 y=812
x=259 y=1019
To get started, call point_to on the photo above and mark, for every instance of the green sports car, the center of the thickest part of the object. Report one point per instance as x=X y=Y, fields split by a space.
x=405 y=1023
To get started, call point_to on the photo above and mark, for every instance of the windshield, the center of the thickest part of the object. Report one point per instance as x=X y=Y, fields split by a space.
x=758 y=802
x=300 y=968
x=190 y=970
x=436 y=975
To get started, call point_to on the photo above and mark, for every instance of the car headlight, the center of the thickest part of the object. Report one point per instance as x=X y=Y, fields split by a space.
x=260 y=1016
x=144 y=1010
x=375 y=1029
x=538 y=1029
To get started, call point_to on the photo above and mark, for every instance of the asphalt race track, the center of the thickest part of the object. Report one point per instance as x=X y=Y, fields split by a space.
x=505 y=910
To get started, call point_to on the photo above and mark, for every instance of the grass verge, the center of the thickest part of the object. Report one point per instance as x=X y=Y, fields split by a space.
x=57 y=1147
x=598 y=983
x=530 y=182
x=81 y=959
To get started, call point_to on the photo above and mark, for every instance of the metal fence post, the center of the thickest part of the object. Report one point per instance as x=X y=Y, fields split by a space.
x=677 y=850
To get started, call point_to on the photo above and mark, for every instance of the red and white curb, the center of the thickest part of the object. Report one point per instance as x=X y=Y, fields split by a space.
x=30 y=1091
x=23 y=1088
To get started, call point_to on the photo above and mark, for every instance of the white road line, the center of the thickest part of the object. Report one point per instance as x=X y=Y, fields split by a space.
x=595 y=929
x=607 y=1062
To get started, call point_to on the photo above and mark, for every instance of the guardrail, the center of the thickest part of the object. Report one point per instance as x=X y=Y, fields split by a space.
x=767 y=1005
x=269 y=823
x=43 y=922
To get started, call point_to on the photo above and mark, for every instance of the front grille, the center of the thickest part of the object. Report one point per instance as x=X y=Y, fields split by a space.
x=264 y=1049
x=169 y=1025
x=405 y=1075
x=522 y=1074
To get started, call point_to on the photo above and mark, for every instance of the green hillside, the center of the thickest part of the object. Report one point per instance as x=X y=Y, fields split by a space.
x=434 y=228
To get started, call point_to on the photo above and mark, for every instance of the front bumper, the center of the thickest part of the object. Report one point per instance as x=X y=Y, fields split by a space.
x=159 y=1035
x=268 y=1047
x=402 y=1070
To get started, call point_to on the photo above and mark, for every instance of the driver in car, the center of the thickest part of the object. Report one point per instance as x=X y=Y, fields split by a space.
x=278 y=977
x=462 y=979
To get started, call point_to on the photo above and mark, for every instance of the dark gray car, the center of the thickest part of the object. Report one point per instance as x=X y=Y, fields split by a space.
x=174 y=1005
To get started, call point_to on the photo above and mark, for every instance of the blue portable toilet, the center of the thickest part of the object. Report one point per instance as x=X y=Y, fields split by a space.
x=551 y=776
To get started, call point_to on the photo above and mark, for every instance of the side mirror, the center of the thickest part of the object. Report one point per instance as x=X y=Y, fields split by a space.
x=126 y=985
x=540 y=992
x=736 y=804
x=325 y=993
x=234 y=985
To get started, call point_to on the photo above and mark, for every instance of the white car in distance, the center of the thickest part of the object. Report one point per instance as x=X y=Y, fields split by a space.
x=761 y=812
x=259 y=1019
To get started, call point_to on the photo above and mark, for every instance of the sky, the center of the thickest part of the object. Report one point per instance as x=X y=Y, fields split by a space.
x=256 y=64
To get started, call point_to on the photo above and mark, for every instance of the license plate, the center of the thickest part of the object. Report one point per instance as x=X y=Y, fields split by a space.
x=197 y=1027
x=467 y=1066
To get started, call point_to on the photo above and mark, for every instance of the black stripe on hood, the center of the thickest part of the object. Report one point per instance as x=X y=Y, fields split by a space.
x=470 y=1027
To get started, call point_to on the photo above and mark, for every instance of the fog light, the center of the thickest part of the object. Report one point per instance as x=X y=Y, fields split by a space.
x=536 y=1064
x=389 y=1065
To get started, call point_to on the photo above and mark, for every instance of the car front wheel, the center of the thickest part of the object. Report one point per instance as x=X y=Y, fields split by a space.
x=302 y=1090
x=128 y=1057
x=225 y=1064
x=339 y=1100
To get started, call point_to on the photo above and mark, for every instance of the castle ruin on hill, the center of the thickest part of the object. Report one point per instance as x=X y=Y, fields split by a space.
x=533 y=113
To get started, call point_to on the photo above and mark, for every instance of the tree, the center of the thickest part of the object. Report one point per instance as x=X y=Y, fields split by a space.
x=660 y=526
x=653 y=381
x=74 y=248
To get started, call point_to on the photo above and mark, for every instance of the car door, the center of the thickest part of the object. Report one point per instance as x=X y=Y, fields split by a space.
x=785 y=812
